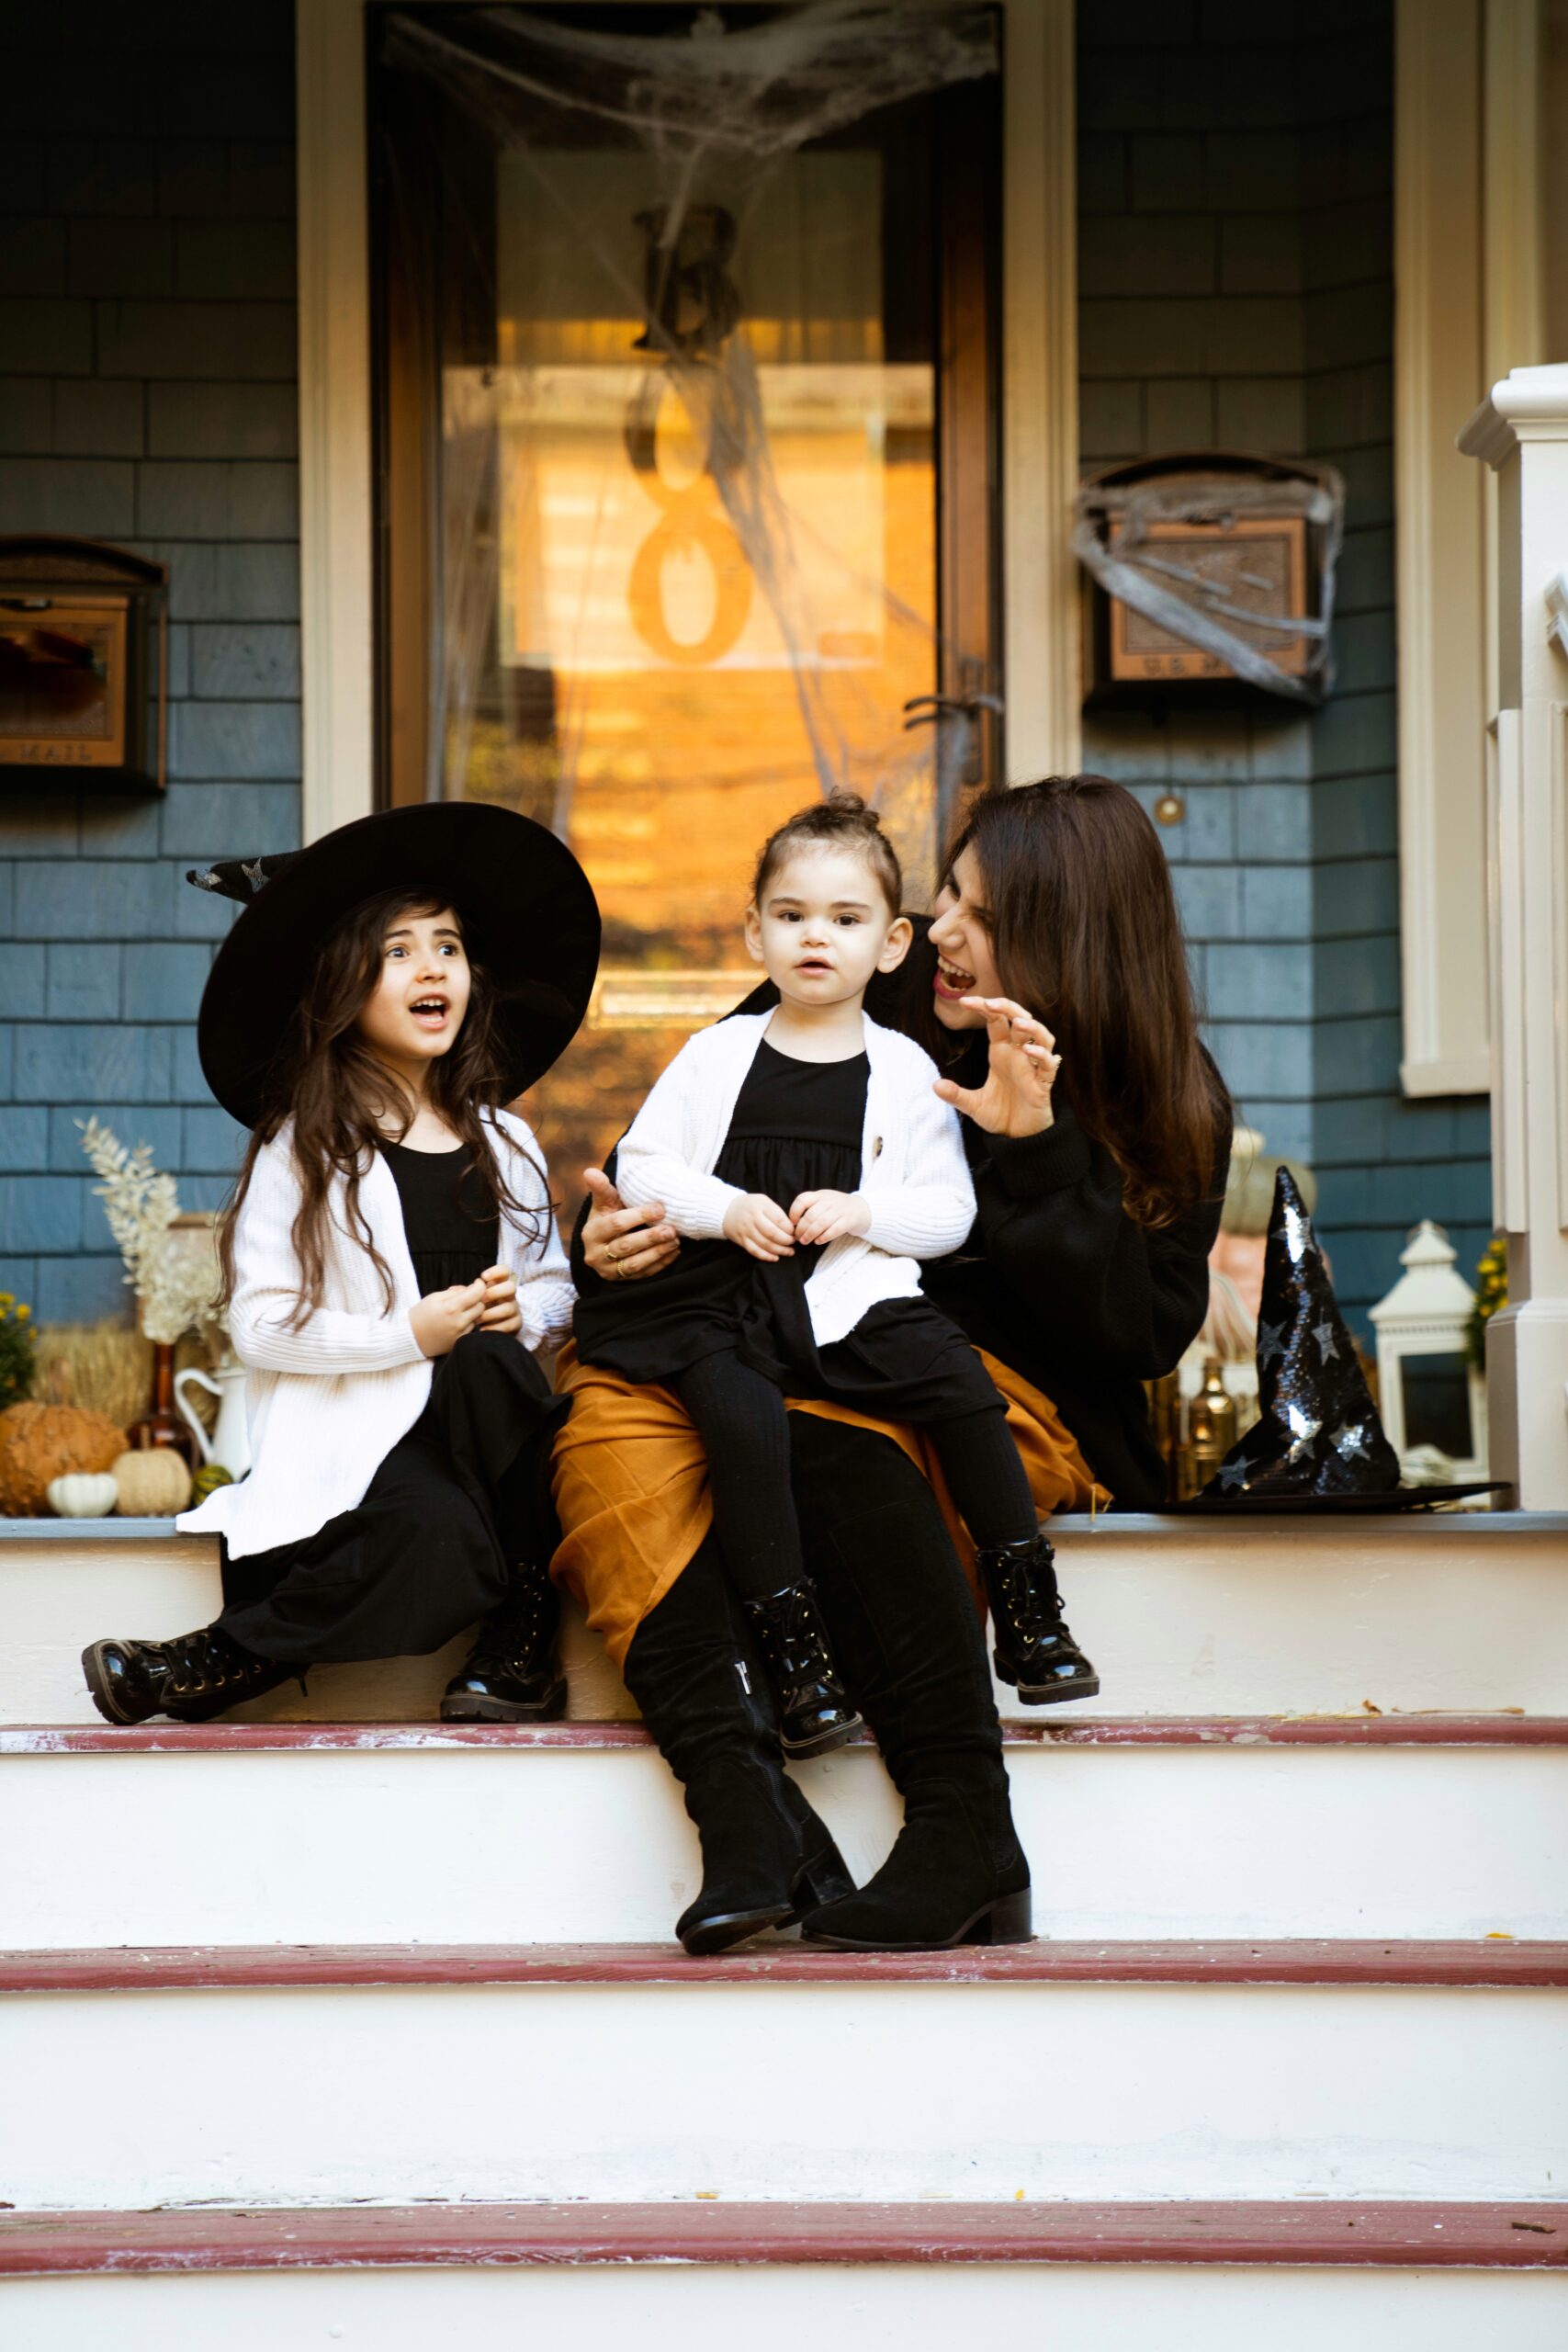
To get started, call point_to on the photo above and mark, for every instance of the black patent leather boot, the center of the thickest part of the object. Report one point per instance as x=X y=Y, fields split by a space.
x=126 y=1679
x=1034 y=1651
x=512 y=1675
x=192 y=1678
x=210 y=1672
x=815 y=1714
x=767 y=1857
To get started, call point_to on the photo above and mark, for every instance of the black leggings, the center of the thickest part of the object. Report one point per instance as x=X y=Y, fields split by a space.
x=744 y=1426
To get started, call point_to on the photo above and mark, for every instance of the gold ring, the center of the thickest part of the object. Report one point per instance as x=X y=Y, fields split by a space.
x=613 y=1255
x=620 y=1272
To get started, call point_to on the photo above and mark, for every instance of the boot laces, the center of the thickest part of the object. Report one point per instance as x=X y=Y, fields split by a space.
x=204 y=1663
x=513 y=1637
x=1031 y=1596
x=790 y=1629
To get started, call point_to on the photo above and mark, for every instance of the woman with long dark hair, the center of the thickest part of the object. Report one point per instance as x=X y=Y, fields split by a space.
x=1098 y=1169
x=391 y=1262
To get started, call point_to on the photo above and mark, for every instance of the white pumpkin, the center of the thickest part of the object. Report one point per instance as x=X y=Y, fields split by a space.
x=83 y=1494
x=152 y=1482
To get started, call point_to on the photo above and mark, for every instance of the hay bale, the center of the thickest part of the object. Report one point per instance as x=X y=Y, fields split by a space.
x=103 y=1367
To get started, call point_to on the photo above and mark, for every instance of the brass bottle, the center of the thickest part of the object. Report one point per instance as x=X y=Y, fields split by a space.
x=1211 y=1430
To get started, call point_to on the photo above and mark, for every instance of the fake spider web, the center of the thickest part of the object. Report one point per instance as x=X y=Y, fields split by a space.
x=677 y=183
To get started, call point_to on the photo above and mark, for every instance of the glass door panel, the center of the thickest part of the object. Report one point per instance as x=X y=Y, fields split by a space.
x=662 y=453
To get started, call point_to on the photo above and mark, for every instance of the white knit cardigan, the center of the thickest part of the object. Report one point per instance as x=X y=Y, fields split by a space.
x=327 y=1403
x=913 y=1172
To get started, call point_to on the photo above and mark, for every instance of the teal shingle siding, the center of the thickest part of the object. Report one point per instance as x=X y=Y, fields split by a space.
x=147 y=395
x=1235 y=291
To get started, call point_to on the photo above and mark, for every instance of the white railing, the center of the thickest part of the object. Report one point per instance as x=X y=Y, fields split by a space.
x=1521 y=430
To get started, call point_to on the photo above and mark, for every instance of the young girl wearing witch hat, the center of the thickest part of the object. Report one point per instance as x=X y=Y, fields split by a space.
x=809 y=1155
x=391 y=1261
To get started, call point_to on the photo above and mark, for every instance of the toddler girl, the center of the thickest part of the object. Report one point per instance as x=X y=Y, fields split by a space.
x=804 y=1155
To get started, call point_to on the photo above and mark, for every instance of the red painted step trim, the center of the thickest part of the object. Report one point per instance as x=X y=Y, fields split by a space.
x=1435 y=1730
x=1498 y=1961
x=1397 y=2236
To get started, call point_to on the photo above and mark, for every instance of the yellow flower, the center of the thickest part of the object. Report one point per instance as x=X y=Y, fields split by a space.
x=22 y=1313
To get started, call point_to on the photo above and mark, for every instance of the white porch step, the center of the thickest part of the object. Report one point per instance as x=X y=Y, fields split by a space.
x=1389 y=1826
x=464 y=2076
x=1459 y=1611
x=1408 y=2278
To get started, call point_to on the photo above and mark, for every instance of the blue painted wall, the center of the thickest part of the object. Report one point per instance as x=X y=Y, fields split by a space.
x=1237 y=292
x=147 y=396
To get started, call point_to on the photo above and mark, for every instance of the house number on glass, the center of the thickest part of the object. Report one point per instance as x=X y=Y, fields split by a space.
x=690 y=526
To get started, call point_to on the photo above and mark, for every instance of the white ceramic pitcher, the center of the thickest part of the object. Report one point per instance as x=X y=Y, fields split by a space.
x=231 y=1441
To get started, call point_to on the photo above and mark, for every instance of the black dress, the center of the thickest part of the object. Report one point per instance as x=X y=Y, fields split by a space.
x=796 y=1128
x=458 y=1502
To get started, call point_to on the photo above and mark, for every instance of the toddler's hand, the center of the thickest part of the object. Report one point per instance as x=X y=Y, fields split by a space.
x=760 y=1225
x=502 y=1312
x=827 y=1217
x=442 y=1317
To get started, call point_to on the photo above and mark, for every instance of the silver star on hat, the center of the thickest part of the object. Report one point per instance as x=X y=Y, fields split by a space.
x=1303 y=1429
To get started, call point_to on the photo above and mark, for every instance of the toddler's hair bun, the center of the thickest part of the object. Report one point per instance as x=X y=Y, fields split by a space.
x=843 y=820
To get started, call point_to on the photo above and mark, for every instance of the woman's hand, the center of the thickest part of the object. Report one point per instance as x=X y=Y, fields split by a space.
x=442 y=1316
x=621 y=1244
x=827 y=1217
x=760 y=1226
x=1016 y=1097
x=502 y=1312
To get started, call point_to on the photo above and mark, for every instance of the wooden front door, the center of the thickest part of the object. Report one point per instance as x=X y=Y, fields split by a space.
x=687 y=499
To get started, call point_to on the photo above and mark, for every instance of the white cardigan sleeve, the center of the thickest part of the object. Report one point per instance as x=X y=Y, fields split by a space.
x=266 y=1291
x=933 y=1211
x=659 y=1155
x=544 y=1292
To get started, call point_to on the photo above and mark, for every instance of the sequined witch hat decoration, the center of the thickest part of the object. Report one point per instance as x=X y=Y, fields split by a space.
x=1319 y=1433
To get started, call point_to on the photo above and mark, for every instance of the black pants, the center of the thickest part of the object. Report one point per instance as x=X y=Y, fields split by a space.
x=456 y=1506
x=744 y=1425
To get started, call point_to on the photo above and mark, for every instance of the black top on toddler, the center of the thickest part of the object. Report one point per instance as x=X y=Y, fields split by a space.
x=797 y=1127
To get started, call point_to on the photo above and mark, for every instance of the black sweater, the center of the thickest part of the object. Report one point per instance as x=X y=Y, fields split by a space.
x=1056 y=1279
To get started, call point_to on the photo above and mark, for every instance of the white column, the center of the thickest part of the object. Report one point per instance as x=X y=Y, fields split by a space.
x=1521 y=430
x=336 y=579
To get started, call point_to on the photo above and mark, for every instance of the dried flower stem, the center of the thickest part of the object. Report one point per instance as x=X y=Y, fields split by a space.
x=177 y=1294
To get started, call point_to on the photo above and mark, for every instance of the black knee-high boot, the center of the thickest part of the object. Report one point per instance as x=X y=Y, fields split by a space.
x=766 y=1855
x=910 y=1643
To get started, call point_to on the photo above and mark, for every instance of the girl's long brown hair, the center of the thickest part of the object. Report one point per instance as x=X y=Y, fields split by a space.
x=1086 y=935
x=326 y=1079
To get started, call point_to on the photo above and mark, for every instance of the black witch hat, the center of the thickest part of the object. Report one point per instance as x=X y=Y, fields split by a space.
x=1319 y=1437
x=528 y=910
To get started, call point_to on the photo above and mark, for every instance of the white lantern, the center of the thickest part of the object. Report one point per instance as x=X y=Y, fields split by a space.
x=1431 y=1395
